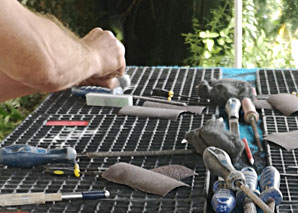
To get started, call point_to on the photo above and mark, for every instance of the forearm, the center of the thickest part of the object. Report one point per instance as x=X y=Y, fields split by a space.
x=10 y=88
x=37 y=52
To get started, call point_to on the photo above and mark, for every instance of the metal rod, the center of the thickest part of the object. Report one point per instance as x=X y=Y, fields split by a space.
x=271 y=204
x=234 y=126
x=249 y=206
x=254 y=197
x=72 y=195
x=238 y=33
x=256 y=133
x=136 y=153
x=159 y=100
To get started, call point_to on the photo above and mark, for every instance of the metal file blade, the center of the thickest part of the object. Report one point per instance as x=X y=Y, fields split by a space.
x=234 y=126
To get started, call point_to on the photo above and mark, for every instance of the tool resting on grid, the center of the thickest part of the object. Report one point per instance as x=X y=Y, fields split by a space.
x=26 y=156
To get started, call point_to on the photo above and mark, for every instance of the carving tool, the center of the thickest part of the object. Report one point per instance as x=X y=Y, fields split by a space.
x=251 y=116
x=219 y=163
x=232 y=108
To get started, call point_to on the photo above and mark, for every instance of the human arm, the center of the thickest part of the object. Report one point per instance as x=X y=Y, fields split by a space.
x=41 y=55
x=10 y=88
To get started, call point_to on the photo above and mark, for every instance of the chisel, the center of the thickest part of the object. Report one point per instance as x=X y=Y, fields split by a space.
x=232 y=108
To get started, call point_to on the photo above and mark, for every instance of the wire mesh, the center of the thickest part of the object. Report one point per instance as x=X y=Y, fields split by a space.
x=286 y=162
x=106 y=131
x=270 y=81
x=182 y=81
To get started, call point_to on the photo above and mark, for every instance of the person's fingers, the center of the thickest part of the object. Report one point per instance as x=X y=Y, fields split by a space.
x=109 y=52
x=109 y=32
x=97 y=29
x=101 y=82
x=122 y=69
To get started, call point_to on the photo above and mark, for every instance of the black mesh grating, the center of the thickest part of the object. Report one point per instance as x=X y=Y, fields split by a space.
x=181 y=80
x=109 y=132
x=276 y=81
x=283 y=160
x=287 y=208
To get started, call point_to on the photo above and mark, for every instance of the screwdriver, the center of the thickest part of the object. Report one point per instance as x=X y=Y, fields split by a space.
x=26 y=156
x=119 y=85
x=232 y=108
x=223 y=200
x=169 y=94
x=62 y=170
x=251 y=179
x=219 y=163
x=269 y=183
x=251 y=116
x=17 y=199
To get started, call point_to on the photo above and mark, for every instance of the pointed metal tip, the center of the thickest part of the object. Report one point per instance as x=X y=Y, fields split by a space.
x=107 y=193
x=184 y=141
x=220 y=119
x=252 y=161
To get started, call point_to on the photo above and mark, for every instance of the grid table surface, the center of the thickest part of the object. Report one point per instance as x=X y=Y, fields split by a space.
x=283 y=160
x=107 y=131
x=182 y=81
x=271 y=81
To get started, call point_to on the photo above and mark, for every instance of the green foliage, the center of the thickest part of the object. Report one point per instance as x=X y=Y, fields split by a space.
x=12 y=112
x=211 y=47
x=290 y=14
x=77 y=15
x=214 y=46
x=10 y=116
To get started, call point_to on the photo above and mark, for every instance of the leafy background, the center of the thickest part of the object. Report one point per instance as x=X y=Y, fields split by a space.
x=175 y=32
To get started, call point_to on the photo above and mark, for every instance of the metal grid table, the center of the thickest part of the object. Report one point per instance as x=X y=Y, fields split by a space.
x=274 y=82
x=282 y=159
x=182 y=81
x=107 y=131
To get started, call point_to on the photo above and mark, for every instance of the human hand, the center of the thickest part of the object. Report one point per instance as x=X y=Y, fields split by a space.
x=102 y=82
x=109 y=54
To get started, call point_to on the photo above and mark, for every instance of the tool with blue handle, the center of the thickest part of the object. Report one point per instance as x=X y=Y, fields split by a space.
x=218 y=162
x=269 y=183
x=119 y=86
x=26 y=156
x=223 y=200
x=251 y=179
x=83 y=91
x=17 y=199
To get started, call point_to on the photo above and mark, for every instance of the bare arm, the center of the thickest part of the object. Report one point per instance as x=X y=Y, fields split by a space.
x=10 y=88
x=41 y=55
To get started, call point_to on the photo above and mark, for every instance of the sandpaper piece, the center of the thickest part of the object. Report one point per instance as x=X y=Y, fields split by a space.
x=286 y=103
x=213 y=133
x=262 y=104
x=170 y=114
x=193 y=109
x=141 y=179
x=177 y=172
x=287 y=140
x=219 y=91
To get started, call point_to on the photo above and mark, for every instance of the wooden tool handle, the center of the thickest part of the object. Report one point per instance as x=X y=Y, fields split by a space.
x=28 y=198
